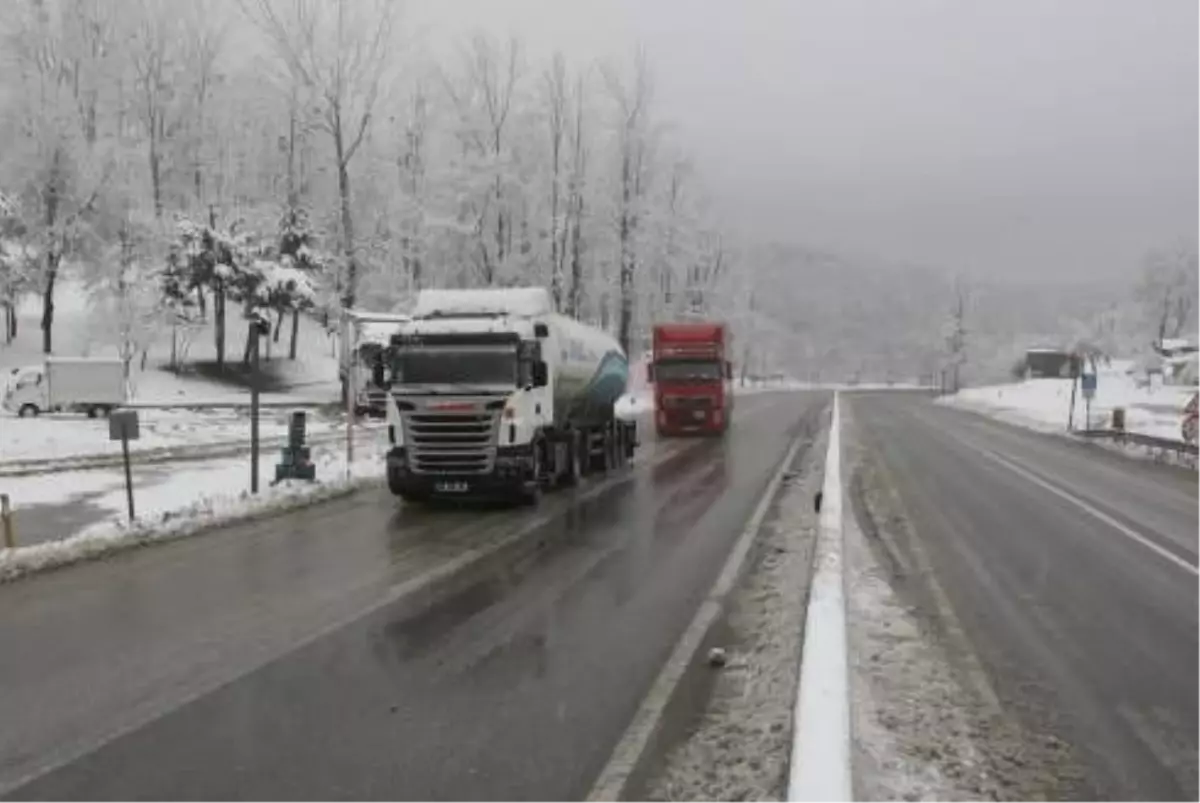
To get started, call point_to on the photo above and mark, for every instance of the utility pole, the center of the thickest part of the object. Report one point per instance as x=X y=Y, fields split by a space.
x=258 y=326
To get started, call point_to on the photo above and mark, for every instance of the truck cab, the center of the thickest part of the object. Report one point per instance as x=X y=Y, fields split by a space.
x=692 y=378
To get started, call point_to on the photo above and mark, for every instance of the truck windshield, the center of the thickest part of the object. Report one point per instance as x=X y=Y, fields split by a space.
x=450 y=365
x=687 y=371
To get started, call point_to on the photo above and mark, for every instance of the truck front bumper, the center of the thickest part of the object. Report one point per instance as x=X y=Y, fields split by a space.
x=671 y=423
x=510 y=476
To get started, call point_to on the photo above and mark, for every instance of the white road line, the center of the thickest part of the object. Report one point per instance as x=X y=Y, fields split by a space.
x=820 y=762
x=1128 y=532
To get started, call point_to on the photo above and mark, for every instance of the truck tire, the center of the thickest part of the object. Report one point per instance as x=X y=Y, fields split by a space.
x=395 y=486
x=576 y=461
x=531 y=491
x=28 y=411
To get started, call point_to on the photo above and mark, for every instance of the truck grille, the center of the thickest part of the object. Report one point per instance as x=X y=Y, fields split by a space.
x=688 y=402
x=451 y=443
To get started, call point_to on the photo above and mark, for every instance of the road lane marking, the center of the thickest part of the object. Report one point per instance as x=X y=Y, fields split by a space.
x=1091 y=510
x=820 y=756
x=630 y=752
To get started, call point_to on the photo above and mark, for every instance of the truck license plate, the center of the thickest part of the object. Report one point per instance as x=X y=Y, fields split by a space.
x=698 y=415
x=451 y=487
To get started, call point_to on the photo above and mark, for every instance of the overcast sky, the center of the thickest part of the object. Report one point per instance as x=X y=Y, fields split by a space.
x=1023 y=138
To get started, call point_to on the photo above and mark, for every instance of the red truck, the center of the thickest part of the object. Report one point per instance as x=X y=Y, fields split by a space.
x=693 y=392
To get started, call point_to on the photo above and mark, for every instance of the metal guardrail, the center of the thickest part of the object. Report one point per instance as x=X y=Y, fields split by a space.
x=181 y=453
x=1140 y=439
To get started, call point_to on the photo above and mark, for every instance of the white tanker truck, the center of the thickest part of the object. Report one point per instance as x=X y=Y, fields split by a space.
x=494 y=394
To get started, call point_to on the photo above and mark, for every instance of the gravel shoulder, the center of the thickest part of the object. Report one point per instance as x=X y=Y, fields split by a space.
x=738 y=745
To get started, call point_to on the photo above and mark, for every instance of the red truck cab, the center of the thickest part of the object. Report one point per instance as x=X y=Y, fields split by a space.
x=693 y=392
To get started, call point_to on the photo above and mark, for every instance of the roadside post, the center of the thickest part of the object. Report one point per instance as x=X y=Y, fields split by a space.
x=259 y=326
x=296 y=458
x=123 y=427
x=1074 y=368
x=10 y=538
x=349 y=347
x=1087 y=384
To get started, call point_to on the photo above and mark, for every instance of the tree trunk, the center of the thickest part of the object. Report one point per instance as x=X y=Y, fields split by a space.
x=348 y=291
x=219 y=328
x=295 y=333
x=156 y=175
x=625 y=311
x=52 y=261
x=278 y=324
x=576 y=296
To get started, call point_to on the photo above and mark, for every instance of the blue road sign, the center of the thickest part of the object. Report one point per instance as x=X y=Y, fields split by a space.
x=1087 y=383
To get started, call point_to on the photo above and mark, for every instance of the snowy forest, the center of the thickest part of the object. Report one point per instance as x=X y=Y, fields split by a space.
x=201 y=160
x=288 y=157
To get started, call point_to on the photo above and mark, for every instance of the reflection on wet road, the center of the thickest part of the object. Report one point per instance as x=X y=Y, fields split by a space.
x=281 y=660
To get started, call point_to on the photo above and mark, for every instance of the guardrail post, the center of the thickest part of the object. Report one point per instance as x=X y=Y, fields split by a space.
x=10 y=537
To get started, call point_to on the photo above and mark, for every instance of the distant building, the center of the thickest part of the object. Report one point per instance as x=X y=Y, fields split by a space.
x=1046 y=363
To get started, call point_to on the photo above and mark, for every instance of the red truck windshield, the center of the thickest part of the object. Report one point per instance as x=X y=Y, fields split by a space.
x=687 y=371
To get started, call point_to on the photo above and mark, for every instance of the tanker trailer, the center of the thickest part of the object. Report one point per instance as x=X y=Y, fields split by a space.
x=493 y=394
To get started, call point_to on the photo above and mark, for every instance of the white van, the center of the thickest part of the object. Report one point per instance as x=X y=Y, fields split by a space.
x=66 y=384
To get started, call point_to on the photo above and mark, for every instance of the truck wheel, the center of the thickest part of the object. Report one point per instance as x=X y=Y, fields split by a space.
x=575 y=462
x=28 y=411
x=396 y=486
x=531 y=491
x=91 y=412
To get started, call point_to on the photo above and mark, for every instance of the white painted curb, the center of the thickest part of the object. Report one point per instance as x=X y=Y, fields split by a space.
x=820 y=762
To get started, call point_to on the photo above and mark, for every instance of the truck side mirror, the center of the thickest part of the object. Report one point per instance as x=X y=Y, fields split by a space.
x=540 y=331
x=540 y=374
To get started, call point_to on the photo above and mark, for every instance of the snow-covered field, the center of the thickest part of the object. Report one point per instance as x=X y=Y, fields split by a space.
x=1044 y=404
x=173 y=503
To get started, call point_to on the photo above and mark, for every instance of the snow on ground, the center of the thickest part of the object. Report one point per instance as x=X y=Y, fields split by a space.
x=310 y=380
x=740 y=747
x=1044 y=404
x=183 y=501
x=51 y=438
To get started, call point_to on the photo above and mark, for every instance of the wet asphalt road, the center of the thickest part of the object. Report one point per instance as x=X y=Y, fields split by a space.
x=288 y=658
x=1086 y=624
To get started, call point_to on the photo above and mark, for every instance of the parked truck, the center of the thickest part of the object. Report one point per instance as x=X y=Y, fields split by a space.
x=494 y=394
x=66 y=384
x=692 y=377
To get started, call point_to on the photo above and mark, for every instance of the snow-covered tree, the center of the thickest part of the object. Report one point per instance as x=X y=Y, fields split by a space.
x=631 y=97
x=56 y=156
x=1168 y=290
x=340 y=51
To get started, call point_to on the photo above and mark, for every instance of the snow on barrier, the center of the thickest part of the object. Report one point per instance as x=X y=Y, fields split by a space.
x=820 y=763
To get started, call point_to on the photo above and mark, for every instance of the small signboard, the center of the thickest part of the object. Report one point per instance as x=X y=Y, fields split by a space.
x=1087 y=383
x=123 y=425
